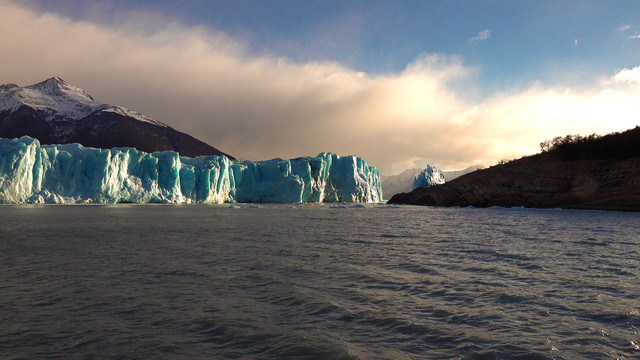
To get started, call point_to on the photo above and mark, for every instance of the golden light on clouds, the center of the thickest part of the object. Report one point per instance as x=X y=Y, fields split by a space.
x=264 y=106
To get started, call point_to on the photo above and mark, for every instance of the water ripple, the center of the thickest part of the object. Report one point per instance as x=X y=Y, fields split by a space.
x=312 y=283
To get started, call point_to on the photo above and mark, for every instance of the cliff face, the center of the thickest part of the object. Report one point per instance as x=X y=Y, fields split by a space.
x=71 y=173
x=547 y=180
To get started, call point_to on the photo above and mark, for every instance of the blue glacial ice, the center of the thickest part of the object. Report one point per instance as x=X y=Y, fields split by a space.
x=429 y=176
x=71 y=173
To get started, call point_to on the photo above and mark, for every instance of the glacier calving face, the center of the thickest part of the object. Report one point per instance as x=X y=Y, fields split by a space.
x=71 y=173
x=429 y=176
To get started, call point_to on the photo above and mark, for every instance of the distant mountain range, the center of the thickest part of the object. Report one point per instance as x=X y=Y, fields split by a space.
x=403 y=182
x=56 y=112
x=573 y=172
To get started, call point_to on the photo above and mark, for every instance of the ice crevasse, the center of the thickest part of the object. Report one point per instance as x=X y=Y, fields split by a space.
x=71 y=173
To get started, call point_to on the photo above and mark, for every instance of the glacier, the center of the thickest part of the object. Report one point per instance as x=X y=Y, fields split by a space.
x=429 y=176
x=70 y=173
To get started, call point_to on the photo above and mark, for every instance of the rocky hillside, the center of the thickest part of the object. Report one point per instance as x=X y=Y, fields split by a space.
x=574 y=172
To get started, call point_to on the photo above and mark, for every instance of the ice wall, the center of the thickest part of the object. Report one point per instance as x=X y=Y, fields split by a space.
x=429 y=176
x=71 y=173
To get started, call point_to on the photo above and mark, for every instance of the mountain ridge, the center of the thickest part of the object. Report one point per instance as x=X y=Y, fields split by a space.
x=56 y=112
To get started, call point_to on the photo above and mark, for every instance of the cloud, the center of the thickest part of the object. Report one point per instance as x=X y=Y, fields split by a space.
x=628 y=76
x=263 y=106
x=623 y=30
x=624 y=27
x=482 y=36
x=576 y=42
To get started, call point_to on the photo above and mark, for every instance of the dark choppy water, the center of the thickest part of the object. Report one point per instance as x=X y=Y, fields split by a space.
x=132 y=281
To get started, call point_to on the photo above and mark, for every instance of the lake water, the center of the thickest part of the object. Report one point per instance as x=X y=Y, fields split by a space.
x=315 y=282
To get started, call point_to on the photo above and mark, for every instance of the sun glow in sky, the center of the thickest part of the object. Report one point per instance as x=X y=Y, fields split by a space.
x=401 y=84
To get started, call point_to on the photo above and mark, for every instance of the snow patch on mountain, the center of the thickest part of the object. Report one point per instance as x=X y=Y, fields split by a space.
x=130 y=113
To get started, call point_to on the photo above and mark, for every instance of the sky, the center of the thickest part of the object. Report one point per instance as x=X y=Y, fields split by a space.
x=400 y=83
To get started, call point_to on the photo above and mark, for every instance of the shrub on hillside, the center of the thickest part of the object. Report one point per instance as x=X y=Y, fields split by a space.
x=620 y=145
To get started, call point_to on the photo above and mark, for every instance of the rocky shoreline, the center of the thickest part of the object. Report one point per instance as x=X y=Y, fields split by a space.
x=546 y=180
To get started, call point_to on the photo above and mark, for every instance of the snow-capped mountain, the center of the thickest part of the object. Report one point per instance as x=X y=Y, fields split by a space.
x=56 y=112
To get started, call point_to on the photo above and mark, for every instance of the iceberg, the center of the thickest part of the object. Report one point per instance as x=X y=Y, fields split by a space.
x=71 y=173
x=429 y=176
